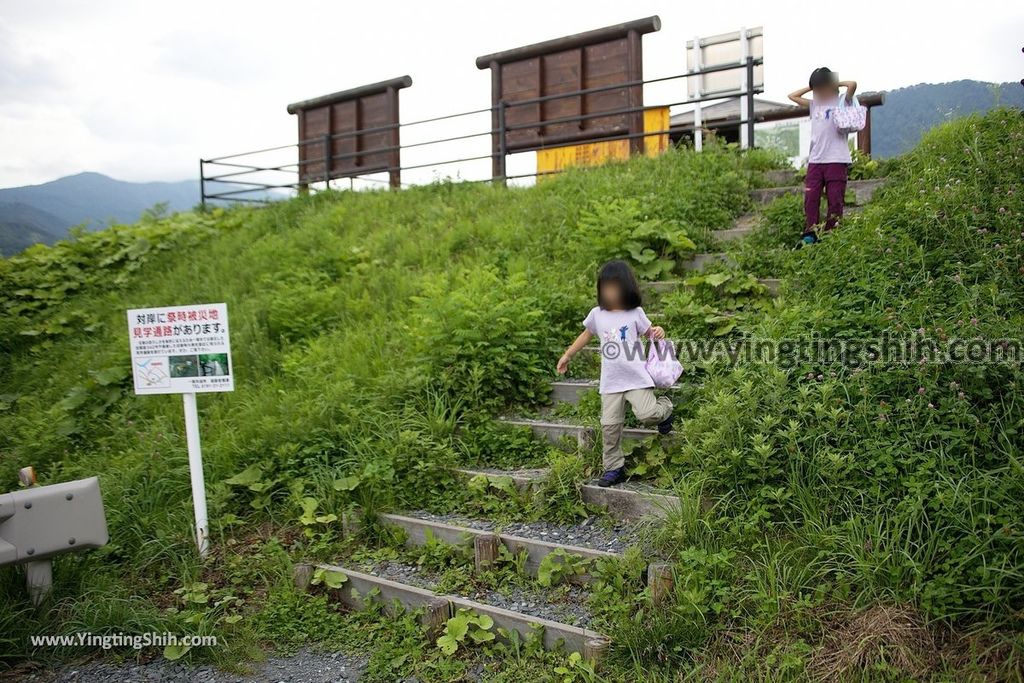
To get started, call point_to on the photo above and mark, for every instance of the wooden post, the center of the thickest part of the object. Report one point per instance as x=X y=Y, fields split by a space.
x=635 y=93
x=351 y=522
x=864 y=135
x=435 y=617
x=302 y=575
x=660 y=581
x=303 y=188
x=497 y=125
x=394 y=155
x=485 y=550
x=595 y=649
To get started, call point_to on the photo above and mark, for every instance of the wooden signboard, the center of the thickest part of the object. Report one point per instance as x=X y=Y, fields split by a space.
x=350 y=133
x=605 y=64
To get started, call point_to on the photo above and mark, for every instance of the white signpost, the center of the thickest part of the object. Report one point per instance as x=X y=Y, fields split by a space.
x=183 y=350
x=718 y=53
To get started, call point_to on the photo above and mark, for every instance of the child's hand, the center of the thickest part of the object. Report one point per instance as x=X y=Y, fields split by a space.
x=656 y=332
x=563 y=365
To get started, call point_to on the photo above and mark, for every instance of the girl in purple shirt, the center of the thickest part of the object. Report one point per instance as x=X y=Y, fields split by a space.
x=829 y=157
x=619 y=322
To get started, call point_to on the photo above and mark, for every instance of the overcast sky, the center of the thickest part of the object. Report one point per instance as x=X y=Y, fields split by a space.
x=141 y=90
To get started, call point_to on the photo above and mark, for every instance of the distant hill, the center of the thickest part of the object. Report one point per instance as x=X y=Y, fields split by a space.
x=43 y=213
x=22 y=225
x=909 y=112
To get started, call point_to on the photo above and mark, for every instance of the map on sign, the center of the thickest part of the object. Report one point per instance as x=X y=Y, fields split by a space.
x=180 y=349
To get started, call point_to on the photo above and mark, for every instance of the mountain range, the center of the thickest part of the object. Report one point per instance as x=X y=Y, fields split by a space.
x=897 y=126
x=45 y=212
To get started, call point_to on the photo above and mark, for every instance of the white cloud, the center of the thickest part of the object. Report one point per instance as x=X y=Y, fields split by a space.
x=141 y=90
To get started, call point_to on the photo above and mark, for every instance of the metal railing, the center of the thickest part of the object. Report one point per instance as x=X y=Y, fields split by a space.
x=271 y=173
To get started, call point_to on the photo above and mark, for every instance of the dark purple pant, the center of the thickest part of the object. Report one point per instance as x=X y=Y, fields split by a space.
x=831 y=178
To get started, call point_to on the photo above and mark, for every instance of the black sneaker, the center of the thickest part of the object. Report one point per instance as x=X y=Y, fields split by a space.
x=665 y=426
x=612 y=477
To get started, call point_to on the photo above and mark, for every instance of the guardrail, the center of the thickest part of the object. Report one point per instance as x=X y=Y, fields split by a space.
x=264 y=175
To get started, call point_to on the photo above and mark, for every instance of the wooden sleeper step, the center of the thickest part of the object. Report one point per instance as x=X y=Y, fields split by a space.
x=360 y=587
x=624 y=503
x=536 y=550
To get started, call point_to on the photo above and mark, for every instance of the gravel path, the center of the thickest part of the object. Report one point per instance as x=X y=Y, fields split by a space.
x=611 y=536
x=304 y=666
x=566 y=604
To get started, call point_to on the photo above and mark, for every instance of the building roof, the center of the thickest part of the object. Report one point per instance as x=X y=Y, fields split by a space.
x=726 y=110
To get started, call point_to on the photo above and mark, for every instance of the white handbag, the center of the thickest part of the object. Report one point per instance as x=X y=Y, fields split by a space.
x=849 y=117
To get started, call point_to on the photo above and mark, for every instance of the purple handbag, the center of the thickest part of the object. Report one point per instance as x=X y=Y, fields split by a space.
x=662 y=364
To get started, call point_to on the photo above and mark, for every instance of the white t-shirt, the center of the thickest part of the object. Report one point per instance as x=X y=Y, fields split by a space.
x=828 y=145
x=623 y=359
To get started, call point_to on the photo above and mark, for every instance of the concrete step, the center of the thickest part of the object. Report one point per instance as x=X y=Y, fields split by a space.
x=630 y=503
x=782 y=176
x=627 y=502
x=416 y=530
x=570 y=390
x=361 y=587
x=772 y=284
x=701 y=261
x=584 y=436
x=554 y=431
x=741 y=227
x=668 y=286
x=863 y=191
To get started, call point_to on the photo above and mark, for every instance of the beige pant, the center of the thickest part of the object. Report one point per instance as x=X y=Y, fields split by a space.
x=647 y=407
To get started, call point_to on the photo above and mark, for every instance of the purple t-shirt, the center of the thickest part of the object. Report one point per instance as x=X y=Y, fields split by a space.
x=623 y=361
x=828 y=145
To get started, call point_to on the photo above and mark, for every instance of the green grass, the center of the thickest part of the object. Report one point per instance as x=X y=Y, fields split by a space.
x=375 y=335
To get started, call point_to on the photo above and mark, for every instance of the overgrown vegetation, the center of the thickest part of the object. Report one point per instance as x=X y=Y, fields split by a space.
x=376 y=335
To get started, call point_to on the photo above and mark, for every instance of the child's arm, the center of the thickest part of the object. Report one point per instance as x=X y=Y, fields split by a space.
x=851 y=88
x=798 y=97
x=655 y=332
x=574 y=348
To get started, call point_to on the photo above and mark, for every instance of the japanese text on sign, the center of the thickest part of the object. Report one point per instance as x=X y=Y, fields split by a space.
x=180 y=349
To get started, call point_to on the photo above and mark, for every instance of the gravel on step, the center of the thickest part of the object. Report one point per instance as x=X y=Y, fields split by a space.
x=609 y=535
x=303 y=666
x=566 y=604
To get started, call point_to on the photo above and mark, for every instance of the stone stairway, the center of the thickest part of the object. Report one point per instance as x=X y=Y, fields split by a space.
x=626 y=504
x=569 y=391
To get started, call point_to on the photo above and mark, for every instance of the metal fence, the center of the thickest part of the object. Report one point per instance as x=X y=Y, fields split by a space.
x=273 y=173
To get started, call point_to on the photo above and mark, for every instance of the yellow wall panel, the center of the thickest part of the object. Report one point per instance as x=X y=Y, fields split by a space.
x=655 y=119
x=596 y=153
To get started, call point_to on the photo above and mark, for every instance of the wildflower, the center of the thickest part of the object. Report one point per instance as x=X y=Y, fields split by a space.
x=931 y=405
x=961 y=395
x=920 y=331
x=974 y=321
x=920 y=390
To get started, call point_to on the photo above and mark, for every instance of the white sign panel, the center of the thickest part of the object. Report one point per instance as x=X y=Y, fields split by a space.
x=723 y=50
x=180 y=349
